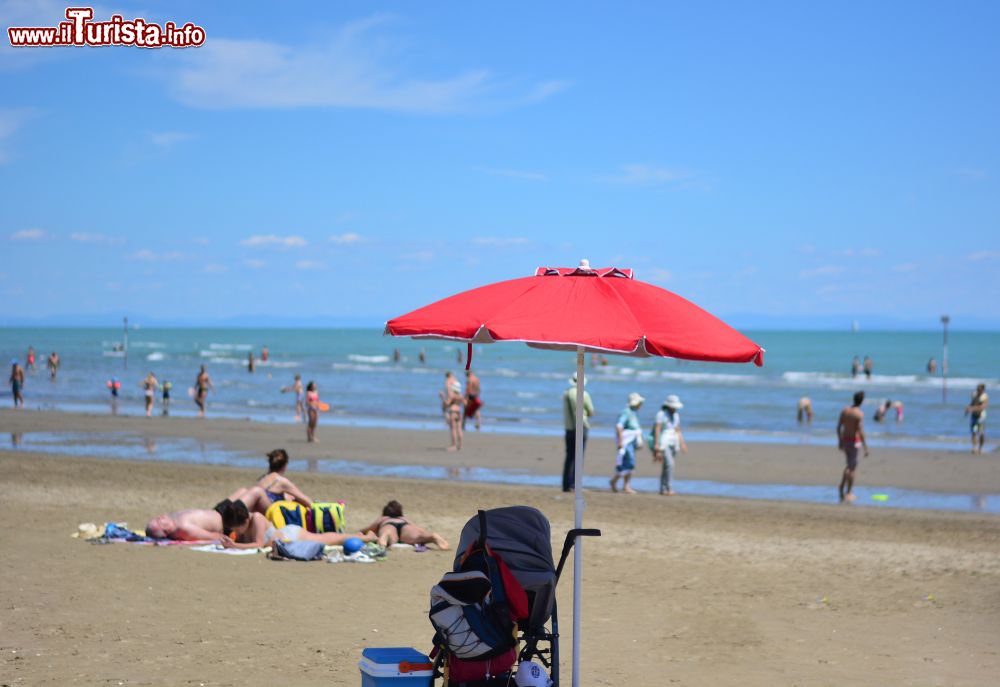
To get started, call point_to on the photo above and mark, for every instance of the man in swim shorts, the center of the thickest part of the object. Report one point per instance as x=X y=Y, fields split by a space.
x=196 y=524
x=976 y=410
x=16 y=383
x=851 y=435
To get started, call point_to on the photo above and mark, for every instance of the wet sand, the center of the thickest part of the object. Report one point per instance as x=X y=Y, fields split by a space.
x=682 y=590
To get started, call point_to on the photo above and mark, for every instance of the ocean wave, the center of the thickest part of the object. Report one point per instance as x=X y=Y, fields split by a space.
x=357 y=367
x=354 y=357
x=147 y=344
x=230 y=347
x=154 y=357
x=837 y=381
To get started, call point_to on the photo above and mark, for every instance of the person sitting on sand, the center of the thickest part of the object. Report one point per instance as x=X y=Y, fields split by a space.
x=195 y=524
x=275 y=485
x=393 y=528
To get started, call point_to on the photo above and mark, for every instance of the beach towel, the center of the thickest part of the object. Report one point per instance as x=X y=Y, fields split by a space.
x=219 y=548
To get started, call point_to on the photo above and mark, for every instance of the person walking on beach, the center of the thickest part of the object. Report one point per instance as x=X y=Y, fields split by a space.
x=851 y=435
x=869 y=365
x=976 y=410
x=300 y=397
x=855 y=366
x=16 y=383
x=668 y=441
x=149 y=386
x=313 y=406
x=569 y=424
x=472 y=401
x=53 y=364
x=628 y=433
x=201 y=386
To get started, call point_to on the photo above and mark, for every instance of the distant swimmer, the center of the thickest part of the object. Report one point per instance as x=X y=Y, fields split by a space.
x=395 y=355
x=850 y=436
x=250 y=363
x=422 y=357
x=805 y=411
x=976 y=410
x=201 y=386
x=114 y=386
x=53 y=364
x=264 y=354
x=884 y=408
x=31 y=359
x=931 y=366
x=16 y=383
x=855 y=366
x=869 y=365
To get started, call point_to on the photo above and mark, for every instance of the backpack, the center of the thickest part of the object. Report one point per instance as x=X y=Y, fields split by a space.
x=475 y=610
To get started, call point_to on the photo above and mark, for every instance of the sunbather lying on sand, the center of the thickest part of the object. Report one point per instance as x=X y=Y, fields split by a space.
x=393 y=528
x=196 y=524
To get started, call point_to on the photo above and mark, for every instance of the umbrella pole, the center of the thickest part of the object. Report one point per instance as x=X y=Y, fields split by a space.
x=578 y=510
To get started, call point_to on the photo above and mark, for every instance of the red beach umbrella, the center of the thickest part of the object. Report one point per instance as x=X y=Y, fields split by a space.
x=581 y=309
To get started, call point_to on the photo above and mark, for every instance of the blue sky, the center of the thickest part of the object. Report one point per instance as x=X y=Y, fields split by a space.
x=778 y=163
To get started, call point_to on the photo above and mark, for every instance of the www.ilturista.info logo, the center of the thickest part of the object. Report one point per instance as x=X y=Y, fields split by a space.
x=80 y=30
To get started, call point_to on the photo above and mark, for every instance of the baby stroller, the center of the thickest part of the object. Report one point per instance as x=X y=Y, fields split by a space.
x=501 y=594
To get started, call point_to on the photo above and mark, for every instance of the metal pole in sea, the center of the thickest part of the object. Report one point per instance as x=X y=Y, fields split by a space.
x=125 y=343
x=944 y=360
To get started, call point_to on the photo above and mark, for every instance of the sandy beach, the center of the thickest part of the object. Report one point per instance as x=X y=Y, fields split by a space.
x=685 y=590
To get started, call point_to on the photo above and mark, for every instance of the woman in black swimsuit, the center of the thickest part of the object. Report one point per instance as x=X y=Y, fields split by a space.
x=393 y=528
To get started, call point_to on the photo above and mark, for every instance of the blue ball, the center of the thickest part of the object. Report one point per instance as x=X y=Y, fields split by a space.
x=353 y=545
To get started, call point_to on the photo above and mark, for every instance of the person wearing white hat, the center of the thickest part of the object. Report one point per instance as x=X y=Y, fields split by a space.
x=628 y=433
x=569 y=424
x=668 y=441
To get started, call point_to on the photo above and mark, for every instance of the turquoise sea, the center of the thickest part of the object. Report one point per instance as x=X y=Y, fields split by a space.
x=522 y=387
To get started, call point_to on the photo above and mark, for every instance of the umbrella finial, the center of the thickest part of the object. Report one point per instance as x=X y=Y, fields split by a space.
x=584 y=264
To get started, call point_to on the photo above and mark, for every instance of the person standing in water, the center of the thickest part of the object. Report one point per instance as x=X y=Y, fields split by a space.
x=868 y=366
x=53 y=364
x=149 y=386
x=976 y=410
x=264 y=354
x=855 y=366
x=30 y=366
x=472 y=402
x=201 y=386
x=851 y=435
x=250 y=363
x=16 y=383
x=312 y=409
x=166 y=386
x=300 y=397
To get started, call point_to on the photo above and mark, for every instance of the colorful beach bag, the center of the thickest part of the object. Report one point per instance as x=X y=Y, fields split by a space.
x=281 y=513
x=327 y=517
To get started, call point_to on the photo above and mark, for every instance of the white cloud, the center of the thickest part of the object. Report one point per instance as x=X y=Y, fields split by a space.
x=310 y=265
x=255 y=264
x=349 y=237
x=272 y=240
x=214 y=268
x=870 y=252
x=418 y=256
x=168 y=139
x=824 y=271
x=28 y=235
x=649 y=175
x=659 y=276
x=146 y=255
x=906 y=267
x=970 y=173
x=516 y=174
x=500 y=242
x=87 y=237
x=354 y=67
x=983 y=255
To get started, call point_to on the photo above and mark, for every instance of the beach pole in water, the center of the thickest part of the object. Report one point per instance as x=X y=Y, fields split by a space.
x=578 y=519
x=944 y=360
x=125 y=343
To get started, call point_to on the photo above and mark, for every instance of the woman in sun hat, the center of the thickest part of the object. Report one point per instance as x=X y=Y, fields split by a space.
x=668 y=440
x=628 y=433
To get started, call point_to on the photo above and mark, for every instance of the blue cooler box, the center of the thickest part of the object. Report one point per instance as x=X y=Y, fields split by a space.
x=395 y=667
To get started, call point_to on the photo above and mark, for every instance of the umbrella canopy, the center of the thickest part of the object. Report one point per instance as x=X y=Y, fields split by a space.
x=581 y=309
x=564 y=308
